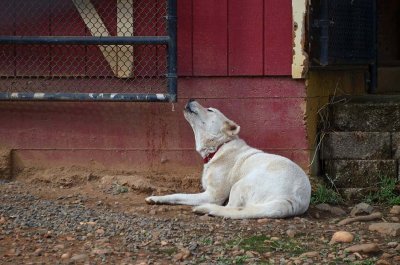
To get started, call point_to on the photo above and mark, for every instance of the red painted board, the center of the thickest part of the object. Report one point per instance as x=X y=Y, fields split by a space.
x=96 y=64
x=32 y=19
x=145 y=57
x=210 y=38
x=161 y=31
x=66 y=21
x=278 y=37
x=246 y=37
x=185 y=25
x=7 y=52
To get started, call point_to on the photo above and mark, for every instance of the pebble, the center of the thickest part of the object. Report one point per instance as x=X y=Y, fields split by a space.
x=79 y=257
x=100 y=231
x=66 y=256
x=182 y=255
x=342 y=237
x=2 y=220
x=38 y=252
x=361 y=208
x=291 y=233
x=395 y=209
x=392 y=229
x=312 y=254
x=332 y=209
x=383 y=262
x=263 y=221
x=393 y=244
x=364 y=248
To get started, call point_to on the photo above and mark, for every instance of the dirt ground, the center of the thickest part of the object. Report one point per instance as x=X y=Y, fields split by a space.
x=72 y=216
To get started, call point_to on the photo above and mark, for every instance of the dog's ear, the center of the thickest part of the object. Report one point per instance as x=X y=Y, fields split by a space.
x=231 y=128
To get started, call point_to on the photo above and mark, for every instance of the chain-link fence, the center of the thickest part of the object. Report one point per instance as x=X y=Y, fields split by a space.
x=88 y=49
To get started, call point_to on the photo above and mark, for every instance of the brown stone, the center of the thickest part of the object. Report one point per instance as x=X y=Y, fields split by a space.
x=364 y=248
x=392 y=229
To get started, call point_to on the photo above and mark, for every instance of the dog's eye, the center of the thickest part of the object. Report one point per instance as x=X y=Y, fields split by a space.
x=210 y=110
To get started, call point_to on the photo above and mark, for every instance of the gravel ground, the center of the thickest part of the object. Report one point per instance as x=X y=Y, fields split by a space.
x=81 y=229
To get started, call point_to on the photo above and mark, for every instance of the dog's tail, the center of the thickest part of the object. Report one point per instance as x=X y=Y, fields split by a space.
x=272 y=209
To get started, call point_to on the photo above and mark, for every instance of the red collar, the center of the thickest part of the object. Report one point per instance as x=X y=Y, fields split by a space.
x=208 y=157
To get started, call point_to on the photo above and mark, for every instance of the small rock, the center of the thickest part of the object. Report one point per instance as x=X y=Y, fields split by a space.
x=312 y=254
x=2 y=220
x=70 y=238
x=342 y=237
x=163 y=243
x=392 y=244
x=291 y=233
x=100 y=231
x=395 y=209
x=397 y=248
x=364 y=248
x=59 y=246
x=274 y=238
x=361 y=208
x=386 y=256
x=382 y=262
x=79 y=257
x=182 y=255
x=263 y=221
x=66 y=256
x=38 y=252
x=332 y=209
x=101 y=251
x=395 y=219
x=392 y=229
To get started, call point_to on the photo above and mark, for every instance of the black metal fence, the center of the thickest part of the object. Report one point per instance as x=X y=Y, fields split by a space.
x=122 y=50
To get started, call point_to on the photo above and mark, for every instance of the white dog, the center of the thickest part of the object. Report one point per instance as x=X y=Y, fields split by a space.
x=257 y=184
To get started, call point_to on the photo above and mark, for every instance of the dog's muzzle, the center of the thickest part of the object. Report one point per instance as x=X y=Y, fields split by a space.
x=188 y=106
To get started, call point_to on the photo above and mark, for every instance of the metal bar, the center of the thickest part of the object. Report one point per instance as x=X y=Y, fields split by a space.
x=84 y=40
x=172 y=82
x=37 y=96
x=324 y=37
x=373 y=86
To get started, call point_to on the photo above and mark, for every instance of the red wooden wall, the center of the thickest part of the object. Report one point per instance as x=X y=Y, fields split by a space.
x=215 y=37
x=234 y=37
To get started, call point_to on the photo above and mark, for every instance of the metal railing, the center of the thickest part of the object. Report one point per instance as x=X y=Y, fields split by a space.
x=45 y=59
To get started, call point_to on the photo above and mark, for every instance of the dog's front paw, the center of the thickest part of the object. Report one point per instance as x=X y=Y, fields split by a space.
x=202 y=209
x=151 y=200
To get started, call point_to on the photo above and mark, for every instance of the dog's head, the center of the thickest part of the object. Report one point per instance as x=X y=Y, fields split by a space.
x=211 y=128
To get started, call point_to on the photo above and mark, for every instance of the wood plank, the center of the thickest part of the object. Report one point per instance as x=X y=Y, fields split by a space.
x=101 y=60
x=145 y=24
x=66 y=21
x=185 y=44
x=246 y=37
x=7 y=28
x=278 y=37
x=32 y=19
x=210 y=38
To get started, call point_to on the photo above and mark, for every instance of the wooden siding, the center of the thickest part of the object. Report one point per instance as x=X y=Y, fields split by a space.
x=215 y=38
x=234 y=38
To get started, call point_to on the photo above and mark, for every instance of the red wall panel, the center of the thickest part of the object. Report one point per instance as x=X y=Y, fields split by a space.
x=66 y=21
x=97 y=65
x=32 y=20
x=278 y=37
x=246 y=44
x=7 y=52
x=210 y=38
x=185 y=25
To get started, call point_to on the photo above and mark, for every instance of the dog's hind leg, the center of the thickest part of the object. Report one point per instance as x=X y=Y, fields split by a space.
x=272 y=209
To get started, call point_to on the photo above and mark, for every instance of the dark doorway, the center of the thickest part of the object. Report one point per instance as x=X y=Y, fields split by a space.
x=388 y=46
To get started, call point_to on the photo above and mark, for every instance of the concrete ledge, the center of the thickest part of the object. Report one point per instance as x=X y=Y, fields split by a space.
x=356 y=145
x=367 y=117
x=359 y=173
x=5 y=164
